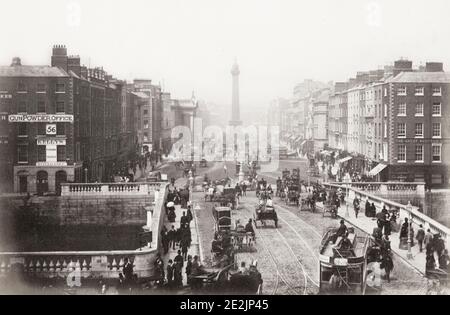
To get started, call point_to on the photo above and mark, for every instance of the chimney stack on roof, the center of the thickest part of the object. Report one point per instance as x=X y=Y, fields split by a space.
x=434 y=67
x=59 y=57
x=402 y=65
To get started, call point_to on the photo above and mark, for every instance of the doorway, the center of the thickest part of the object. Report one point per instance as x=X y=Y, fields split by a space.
x=42 y=183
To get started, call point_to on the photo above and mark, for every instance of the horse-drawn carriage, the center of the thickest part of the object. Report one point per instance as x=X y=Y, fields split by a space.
x=226 y=196
x=228 y=281
x=293 y=195
x=265 y=213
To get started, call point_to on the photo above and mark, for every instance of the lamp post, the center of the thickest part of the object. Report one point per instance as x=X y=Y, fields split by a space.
x=347 y=180
x=409 y=210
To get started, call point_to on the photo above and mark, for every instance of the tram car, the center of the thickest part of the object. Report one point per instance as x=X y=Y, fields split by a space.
x=343 y=263
x=228 y=281
x=222 y=218
x=293 y=195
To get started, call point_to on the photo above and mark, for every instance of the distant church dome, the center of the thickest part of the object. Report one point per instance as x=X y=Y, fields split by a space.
x=16 y=62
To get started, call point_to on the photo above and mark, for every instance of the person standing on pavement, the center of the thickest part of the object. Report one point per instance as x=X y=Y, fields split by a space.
x=420 y=237
x=184 y=246
x=387 y=264
x=178 y=274
x=428 y=241
x=189 y=215
x=165 y=239
x=244 y=189
x=179 y=258
x=439 y=245
x=188 y=269
x=170 y=272
x=356 y=206
x=184 y=221
x=171 y=236
x=367 y=208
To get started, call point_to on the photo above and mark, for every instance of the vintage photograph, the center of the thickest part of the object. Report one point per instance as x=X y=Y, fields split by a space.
x=238 y=148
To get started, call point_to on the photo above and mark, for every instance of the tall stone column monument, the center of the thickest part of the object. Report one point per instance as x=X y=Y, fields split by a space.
x=235 y=111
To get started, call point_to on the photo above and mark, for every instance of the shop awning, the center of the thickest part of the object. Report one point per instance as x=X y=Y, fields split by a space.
x=377 y=170
x=348 y=158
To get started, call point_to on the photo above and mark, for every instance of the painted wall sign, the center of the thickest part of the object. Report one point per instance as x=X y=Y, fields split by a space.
x=58 y=164
x=41 y=118
x=51 y=142
x=50 y=129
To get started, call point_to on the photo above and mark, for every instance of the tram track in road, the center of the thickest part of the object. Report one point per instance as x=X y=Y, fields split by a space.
x=284 y=270
x=294 y=289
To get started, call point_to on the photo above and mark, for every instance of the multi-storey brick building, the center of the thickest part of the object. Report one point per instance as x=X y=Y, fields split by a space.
x=419 y=138
x=65 y=123
x=396 y=127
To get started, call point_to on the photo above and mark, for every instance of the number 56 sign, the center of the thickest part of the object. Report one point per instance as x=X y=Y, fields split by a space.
x=51 y=129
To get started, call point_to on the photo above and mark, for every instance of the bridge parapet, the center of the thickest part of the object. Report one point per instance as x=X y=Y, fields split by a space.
x=93 y=264
x=384 y=188
x=412 y=213
x=109 y=189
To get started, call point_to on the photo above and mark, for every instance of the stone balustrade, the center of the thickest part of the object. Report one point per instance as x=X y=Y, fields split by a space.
x=388 y=187
x=109 y=189
x=402 y=210
x=95 y=264
x=84 y=264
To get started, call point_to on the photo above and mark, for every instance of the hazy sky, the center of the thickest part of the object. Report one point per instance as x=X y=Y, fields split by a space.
x=191 y=44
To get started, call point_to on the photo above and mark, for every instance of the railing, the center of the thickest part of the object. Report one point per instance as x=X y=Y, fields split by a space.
x=92 y=265
x=413 y=214
x=109 y=189
x=83 y=264
x=388 y=187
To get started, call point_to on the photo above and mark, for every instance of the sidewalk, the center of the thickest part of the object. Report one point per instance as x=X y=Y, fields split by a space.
x=368 y=224
x=195 y=247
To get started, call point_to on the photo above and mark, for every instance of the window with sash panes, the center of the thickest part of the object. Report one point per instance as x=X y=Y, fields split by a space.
x=419 y=109
x=436 y=153
x=42 y=153
x=419 y=91
x=437 y=91
x=436 y=130
x=61 y=153
x=419 y=153
x=22 y=129
x=401 y=90
x=402 y=109
x=60 y=107
x=401 y=130
x=419 y=130
x=436 y=109
x=22 y=153
x=401 y=154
